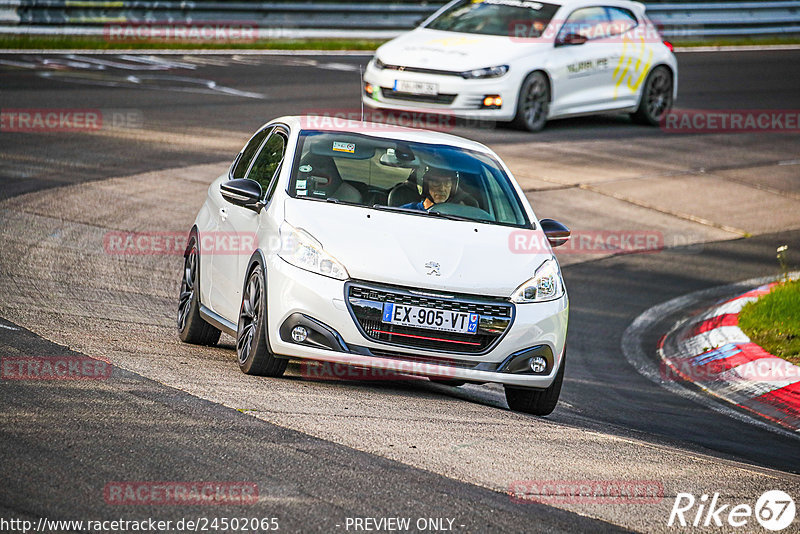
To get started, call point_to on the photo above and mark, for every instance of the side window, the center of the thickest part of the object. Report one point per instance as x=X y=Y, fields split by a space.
x=247 y=154
x=502 y=208
x=621 y=19
x=267 y=162
x=589 y=22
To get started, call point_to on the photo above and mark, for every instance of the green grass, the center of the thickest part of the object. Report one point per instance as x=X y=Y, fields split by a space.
x=45 y=42
x=773 y=321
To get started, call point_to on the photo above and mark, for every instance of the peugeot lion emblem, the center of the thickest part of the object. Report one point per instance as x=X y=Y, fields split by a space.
x=433 y=268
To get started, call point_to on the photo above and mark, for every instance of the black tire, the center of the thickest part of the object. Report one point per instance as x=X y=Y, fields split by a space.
x=656 y=98
x=536 y=401
x=252 y=346
x=533 y=103
x=448 y=381
x=191 y=327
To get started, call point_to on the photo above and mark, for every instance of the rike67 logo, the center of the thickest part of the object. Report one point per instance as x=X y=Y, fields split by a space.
x=774 y=510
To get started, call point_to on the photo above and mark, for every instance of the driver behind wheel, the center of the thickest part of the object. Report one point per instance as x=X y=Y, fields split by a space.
x=438 y=186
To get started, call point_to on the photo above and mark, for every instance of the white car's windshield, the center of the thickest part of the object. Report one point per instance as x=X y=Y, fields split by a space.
x=496 y=17
x=415 y=178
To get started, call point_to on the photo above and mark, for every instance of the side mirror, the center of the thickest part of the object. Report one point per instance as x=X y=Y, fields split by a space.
x=243 y=192
x=571 y=39
x=557 y=234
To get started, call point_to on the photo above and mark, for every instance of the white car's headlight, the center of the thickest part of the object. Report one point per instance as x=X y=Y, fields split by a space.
x=380 y=65
x=300 y=249
x=545 y=285
x=488 y=72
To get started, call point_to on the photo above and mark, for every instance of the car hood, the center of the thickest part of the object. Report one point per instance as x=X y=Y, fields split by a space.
x=452 y=51
x=394 y=248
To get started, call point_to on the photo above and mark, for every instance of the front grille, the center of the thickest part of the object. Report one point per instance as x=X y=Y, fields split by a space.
x=445 y=99
x=366 y=304
x=421 y=70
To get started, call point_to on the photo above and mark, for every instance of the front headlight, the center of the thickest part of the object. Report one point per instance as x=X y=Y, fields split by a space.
x=545 y=285
x=380 y=65
x=298 y=248
x=488 y=72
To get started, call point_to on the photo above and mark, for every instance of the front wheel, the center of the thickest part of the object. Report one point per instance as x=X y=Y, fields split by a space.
x=252 y=348
x=536 y=401
x=656 y=98
x=533 y=103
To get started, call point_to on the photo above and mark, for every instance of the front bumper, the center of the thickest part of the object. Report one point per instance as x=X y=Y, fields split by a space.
x=294 y=293
x=457 y=97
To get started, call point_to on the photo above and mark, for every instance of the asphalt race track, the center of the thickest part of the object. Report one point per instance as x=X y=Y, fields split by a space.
x=323 y=451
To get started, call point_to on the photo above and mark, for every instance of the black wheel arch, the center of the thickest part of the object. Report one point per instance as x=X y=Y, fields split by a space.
x=258 y=258
x=546 y=77
x=671 y=76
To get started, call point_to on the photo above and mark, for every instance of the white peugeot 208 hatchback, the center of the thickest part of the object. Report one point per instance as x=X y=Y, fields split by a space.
x=379 y=247
x=527 y=62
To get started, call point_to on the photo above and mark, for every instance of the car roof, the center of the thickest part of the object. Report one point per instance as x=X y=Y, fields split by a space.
x=588 y=3
x=380 y=130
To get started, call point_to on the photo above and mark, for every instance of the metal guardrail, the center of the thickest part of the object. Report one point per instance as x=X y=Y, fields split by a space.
x=362 y=19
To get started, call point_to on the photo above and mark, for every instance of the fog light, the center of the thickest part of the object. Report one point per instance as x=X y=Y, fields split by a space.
x=368 y=88
x=492 y=101
x=299 y=334
x=538 y=364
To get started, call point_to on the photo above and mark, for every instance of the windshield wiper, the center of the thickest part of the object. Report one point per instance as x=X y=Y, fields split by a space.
x=450 y=216
x=414 y=211
x=397 y=208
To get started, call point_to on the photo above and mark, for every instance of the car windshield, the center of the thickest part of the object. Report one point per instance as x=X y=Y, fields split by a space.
x=408 y=177
x=513 y=18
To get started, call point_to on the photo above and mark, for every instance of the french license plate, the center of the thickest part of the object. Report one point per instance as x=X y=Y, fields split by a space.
x=416 y=88
x=419 y=317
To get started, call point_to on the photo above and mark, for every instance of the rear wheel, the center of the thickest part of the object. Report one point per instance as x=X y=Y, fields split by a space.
x=191 y=327
x=252 y=347
x=536 y=401
x=533 y=103
x=656 y=98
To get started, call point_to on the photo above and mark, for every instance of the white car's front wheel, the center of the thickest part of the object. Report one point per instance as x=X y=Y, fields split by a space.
x=536 y=401
x=533 y=103
x=252 y=348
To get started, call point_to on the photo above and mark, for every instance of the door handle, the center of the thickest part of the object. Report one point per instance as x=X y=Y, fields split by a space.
x=223 y=213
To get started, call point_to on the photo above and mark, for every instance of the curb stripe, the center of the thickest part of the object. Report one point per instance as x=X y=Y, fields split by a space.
x=786 y=399
x=716 y=354
x=718 y=337
x=726 y=319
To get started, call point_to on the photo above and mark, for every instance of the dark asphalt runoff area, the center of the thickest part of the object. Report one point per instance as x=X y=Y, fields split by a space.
x=62 y=442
